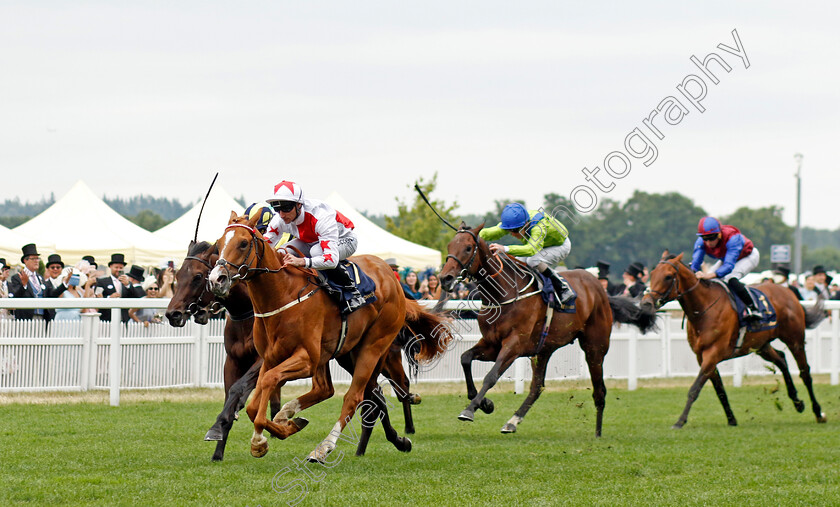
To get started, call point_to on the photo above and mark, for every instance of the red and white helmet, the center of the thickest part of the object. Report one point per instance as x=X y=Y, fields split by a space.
x=287 y=191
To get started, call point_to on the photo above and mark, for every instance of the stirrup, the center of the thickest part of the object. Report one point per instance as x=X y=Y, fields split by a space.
x=752 y=315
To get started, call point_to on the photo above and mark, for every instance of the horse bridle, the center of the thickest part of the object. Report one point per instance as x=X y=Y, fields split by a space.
x=243 y=270
x=213 y=306
x=675 y=284
x=465 y=268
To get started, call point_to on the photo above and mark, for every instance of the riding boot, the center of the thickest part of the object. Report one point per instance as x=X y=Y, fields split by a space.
x=741 y=291
x=562 y=295
x=339 y=275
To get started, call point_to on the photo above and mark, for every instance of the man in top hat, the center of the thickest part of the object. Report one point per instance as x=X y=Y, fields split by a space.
x=53 y=276
x=822 y=280
x=30 y=284
x=781 y=276
x=633 y=285
x=604 y=276
x=4 y=284
x=116 y=285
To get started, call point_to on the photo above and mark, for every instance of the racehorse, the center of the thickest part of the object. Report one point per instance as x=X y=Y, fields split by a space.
x=713 y=330
x=513 y=322
x=297 y=337
x=242 y=362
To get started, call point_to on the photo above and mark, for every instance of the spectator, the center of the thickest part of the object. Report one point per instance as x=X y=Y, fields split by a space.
x=79 y=285
x=147 y=315
x=782 y=277
x=604 y=277
x=633 y=285
x=4 y=285
x=54 y=277
x=117 y=285
x=91 y=261
x=29 y=283
x=809 y=289
x=166 y=280
x=411 y=287
x=822 y=281
x=432 y=287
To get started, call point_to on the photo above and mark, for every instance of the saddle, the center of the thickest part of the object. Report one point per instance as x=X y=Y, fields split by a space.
x=338 y=289
x=546 y=286
x=762 y=303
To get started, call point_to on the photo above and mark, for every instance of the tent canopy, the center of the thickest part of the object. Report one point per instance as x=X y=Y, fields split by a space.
x=214 y=218
x=374 y=240
x=11 y=243
x=80 y=224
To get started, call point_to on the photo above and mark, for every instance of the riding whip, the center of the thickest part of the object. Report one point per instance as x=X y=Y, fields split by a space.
x=417 y=187
x=198 y=220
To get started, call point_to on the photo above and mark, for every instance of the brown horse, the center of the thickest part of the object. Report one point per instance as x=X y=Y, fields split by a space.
x=713 y=330
x=242 y=363
x=512 y=322
x=298 y=331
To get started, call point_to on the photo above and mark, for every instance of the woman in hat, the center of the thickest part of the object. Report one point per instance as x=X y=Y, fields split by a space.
x=633 y=285
x=736 y=256
x=79 y=285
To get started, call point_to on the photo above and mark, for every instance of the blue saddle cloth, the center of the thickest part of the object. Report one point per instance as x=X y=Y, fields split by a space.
x=363 y=282
x=768 y=313
x=548 y=295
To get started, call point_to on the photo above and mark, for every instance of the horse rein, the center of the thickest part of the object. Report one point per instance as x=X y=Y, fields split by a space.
x=194 y=307
x=675 y=284
x=244 y=269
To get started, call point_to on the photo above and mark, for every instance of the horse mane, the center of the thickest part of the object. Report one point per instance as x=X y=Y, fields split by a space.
x=200 y=247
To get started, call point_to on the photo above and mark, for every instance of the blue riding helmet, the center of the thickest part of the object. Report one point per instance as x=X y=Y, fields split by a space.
x=514 y=216
x=708 y=225
x=264 y=212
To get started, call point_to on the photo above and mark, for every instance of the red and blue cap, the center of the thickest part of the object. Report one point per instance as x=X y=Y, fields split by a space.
x=708 y=225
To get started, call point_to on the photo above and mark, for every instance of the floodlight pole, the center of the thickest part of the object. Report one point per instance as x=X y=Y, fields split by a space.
x=797 y=247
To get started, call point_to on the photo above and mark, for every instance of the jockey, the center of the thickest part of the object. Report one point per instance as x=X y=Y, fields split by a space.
x=736 y=256
x=265 y=213
x=322 y=234
x=545 y=241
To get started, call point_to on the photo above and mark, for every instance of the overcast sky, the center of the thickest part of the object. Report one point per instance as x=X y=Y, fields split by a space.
x=502 y=99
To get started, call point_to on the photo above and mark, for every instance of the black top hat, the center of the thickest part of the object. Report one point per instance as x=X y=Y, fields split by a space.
x=136 y=272
x=117 y=258
x=603 y=269
x=783 y=270
x=54 y=259
x=3 y=264
x=90 y=260
x=635 y=269
x=818 y=269
x=28 y=250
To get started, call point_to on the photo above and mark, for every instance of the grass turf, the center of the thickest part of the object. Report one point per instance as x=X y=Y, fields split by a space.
x=151 y=452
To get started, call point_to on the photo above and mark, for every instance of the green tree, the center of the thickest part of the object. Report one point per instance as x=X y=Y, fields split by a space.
x=148 y=220
x=417 y=223
x=829 y=257
x=764 y=227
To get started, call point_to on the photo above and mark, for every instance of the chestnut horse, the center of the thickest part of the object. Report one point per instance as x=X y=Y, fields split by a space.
x=512 y=322
x=713 y=330
x=298 y=331
x=242 y=363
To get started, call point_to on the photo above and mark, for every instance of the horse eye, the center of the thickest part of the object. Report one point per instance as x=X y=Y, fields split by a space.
x=197 y=278
x=469 y=249
x=243 y=244
x=668 y=277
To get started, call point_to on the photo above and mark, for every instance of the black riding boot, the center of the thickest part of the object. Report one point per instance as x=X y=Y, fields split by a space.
x=562 y=295
x=741 y=291
x=340 y=276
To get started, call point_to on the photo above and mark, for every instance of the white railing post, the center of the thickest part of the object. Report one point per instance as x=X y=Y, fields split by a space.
x=835 y=347
x=89 y=320
x=632 y=364
x=665 y=344
x=200 y=334
x=739 y=364
x=115 y=373
x=519 y=375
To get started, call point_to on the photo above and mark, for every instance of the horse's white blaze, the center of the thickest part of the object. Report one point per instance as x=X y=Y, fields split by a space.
x=228 y=236
x=515 y=420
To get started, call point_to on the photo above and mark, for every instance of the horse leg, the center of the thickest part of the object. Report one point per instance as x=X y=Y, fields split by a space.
x=721 y=394
x=594 y=351
x=346 y=362
x=777 y=357
x=797 y=348
x=503 y=361
x=480 y=352
x=236 y=395
x=322 y=388
x=707 y=368
x=369 y=417
x=540 y=363
x=394 y=371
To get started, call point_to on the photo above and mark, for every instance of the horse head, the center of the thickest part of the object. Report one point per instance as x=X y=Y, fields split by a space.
x=241 y=249
x=668 y=281
x=192 y=296
x=466 y=253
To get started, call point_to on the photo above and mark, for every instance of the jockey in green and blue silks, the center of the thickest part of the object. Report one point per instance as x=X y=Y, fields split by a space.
x=545 y=240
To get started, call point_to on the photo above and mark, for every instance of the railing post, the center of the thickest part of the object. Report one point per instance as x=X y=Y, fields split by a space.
x=665 y=344
x=632 y=354
x=88 y=322
x=835 y=347
x=739 y=367
x=519 y=375
x=115 y=370
x=200 y=335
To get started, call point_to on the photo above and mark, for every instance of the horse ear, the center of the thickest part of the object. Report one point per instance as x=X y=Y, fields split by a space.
x=679 y=257
x=665 y=255
x=463 y=225
x=232 y=217
x=478 y=229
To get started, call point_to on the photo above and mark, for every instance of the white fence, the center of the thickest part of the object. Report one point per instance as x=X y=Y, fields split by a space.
x=78 y=355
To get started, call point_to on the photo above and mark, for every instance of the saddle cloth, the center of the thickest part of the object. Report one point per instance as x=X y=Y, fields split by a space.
x=547 y=293
x=341 y=294
x=762 y=303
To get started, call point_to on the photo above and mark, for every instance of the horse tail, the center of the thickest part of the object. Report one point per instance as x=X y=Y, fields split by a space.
x=626 y=311
x=425 y=335
x=815 y=314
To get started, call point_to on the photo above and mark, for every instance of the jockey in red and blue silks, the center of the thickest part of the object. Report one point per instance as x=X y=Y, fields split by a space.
x=735 y=253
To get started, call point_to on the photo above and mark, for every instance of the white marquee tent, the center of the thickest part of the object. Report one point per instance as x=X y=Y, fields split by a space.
x=80 y=224
x=374 y=240
x=214 y=218
x=11 y=243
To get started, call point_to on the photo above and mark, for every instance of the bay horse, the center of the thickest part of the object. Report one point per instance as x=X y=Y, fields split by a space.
x=512 y=322
x=298 y=330
x=242 y=362
x=713 y=330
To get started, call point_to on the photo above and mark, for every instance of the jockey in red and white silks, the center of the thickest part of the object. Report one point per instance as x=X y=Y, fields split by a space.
x=322 y=234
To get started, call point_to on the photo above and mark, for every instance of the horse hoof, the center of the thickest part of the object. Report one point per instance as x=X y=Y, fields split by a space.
x=799 y=405
x=236 y=416
x=217 y=458
x=821 y=418
x=677 y=426
x=508 y=428
x=300 y=422
x=487 y=406
x=404 y=444
x=259 y=450
x=409 y=430
x=414 y=399
x=319 y=455
x=732 y=422
x=466 y=416
x=213 y=435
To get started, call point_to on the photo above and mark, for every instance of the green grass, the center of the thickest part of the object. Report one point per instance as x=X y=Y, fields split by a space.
x=151 y=452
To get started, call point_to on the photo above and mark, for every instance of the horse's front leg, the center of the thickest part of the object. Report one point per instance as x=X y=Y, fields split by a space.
x=506 y=356
x=721 y=394
x=480 y=352
x=709 y=360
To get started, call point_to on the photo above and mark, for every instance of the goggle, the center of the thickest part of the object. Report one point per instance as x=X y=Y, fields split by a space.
x=284 y=206
x=709 y=237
